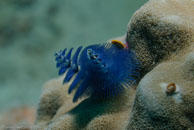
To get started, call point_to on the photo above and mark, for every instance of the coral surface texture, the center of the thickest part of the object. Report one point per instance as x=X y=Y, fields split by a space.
x=161 y=33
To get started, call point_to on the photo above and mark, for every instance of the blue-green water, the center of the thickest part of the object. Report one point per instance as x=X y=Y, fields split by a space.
x=32 y=30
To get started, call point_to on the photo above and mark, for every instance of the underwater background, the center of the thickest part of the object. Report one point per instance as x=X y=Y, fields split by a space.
x=32 y=30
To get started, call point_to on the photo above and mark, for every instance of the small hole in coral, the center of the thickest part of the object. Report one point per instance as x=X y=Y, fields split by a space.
x=170 y=88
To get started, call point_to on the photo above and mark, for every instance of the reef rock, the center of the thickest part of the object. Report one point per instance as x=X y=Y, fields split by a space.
x=56 y=109
x=161 y=33
x=54 y=100
x=21 y=117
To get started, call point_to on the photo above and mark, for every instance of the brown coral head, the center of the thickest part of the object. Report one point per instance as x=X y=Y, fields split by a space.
x=170 y=88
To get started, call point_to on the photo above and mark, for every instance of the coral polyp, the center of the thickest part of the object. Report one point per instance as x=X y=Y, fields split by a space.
x=102 y=70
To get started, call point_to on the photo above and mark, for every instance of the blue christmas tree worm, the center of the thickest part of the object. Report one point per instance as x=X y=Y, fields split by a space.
x=103 y=70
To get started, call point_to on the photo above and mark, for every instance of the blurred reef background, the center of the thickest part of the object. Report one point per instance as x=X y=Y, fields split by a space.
x=32 y=30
